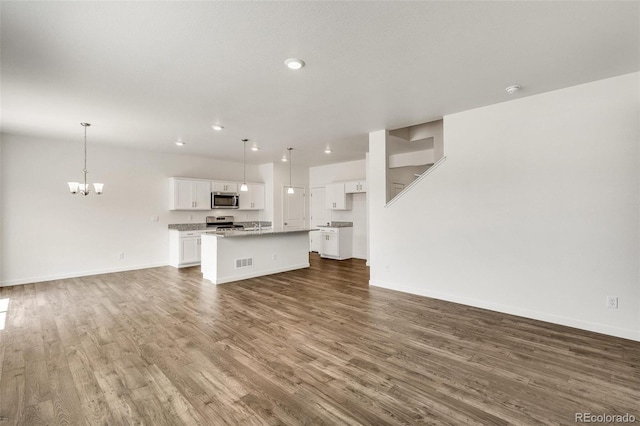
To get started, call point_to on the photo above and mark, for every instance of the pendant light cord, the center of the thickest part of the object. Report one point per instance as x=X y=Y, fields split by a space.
x=84 y=171
x=290 y=149
x=244 y=163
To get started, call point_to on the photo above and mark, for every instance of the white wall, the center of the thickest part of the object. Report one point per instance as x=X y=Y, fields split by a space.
x=416 y=158
x=535 y=212
x=1 y=208
x=48 y=233
x=266 y=176
x=337 y=172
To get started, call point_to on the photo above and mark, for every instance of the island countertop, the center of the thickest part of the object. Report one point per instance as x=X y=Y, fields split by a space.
x=233 y=255
x=233 y=233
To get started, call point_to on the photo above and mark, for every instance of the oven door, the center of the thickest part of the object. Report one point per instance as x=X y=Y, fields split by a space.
x=224 y=200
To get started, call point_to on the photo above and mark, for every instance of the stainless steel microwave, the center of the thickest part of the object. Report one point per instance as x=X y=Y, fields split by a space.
x=225 y=200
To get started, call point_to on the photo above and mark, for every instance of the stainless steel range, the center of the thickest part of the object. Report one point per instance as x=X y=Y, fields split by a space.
x=215 y=223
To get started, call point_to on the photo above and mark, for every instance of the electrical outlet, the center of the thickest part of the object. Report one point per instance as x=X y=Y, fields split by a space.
x=155 y=218
x=121 y=256
x=190 y=217
x=275 y=256
x=612 y=302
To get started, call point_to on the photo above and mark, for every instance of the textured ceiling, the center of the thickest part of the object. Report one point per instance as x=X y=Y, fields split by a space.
x=147 y=73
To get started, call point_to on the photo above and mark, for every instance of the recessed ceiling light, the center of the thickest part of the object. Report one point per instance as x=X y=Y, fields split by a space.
x=327 y=151
x=284 y=158
x=254 y=148
x=180 y=143
x=217 y=127
x=294 y=63
x=512 y=89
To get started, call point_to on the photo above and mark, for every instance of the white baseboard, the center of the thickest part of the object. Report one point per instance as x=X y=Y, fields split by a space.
x=77 y=274
x=512 y=310
x=258 y=273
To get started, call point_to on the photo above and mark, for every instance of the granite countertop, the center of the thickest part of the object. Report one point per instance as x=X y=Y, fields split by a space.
x=233 y=233
x=204 y=227
x=188 y=226
x=337 y=225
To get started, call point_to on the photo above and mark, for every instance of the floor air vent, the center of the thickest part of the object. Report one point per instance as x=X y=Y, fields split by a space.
x=244 y=263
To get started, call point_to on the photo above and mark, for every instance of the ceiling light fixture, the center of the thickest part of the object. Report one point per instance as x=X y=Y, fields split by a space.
x=180 y=143
x=83 y=188
x=254 y=148
x=290 y=190
x=217 y=127
x=284 y=158
x=513 y=89
x=244 y=187
x=294 y=63
x=327 y=151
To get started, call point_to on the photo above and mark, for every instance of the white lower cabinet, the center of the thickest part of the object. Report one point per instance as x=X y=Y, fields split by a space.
x=336 y=243
x=184 y=248
x=315 y=241
x=190 y=250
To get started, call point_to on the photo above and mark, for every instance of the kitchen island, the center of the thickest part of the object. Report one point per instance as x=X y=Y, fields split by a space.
x=238 y=254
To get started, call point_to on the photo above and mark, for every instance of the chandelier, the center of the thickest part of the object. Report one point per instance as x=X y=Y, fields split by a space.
x=83 y=188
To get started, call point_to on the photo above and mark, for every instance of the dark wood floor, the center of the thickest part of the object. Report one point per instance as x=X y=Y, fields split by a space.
x=315 y=346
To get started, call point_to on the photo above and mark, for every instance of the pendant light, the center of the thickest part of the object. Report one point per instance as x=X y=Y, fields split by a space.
x=244 y=187
x=83 y=188
x=290 y=190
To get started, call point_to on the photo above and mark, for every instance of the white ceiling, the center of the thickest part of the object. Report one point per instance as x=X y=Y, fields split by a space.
x=147 y=73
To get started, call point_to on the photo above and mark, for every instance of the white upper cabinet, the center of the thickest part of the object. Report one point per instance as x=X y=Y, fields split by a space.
x=253 y=199
x=336 y=197
x=224 y=186
x=190 y=194
x=355 y=187
x=202 y=189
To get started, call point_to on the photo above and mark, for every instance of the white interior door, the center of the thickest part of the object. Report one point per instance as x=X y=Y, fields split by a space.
x=293 y=208
x=319 y=212
x=319 y=216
